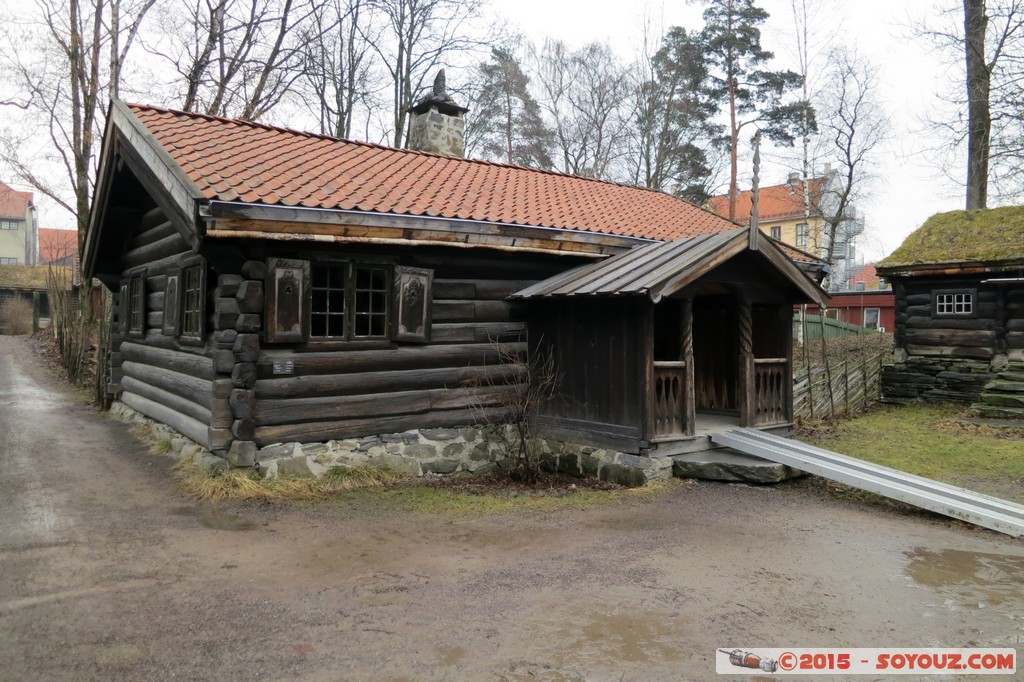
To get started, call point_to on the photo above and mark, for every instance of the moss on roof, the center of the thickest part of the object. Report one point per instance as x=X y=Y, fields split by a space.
x=26 y=276
x=995 y=234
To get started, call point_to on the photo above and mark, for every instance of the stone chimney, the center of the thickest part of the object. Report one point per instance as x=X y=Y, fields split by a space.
x=437 y=124
x=794 y=178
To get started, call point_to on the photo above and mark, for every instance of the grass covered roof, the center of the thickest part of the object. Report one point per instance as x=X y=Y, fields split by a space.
x=995 y=234
x=29 y=276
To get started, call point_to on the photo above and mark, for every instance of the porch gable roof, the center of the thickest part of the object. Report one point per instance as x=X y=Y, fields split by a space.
x=661 y=269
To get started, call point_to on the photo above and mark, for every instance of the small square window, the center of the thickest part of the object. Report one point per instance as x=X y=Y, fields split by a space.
x=954 y=303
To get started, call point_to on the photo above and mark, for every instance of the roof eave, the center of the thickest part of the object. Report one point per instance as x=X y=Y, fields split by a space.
x=948 y=267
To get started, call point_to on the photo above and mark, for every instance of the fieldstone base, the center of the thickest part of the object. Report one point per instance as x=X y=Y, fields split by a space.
x=447 y=450
x=181 y=447
x=470 y=449
x=935 y=380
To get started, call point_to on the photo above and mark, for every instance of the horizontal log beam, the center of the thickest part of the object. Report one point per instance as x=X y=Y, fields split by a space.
x=472 y=311
x=171 y=245
x=303 y=410
x=175 y=361
x=153 y=234
x=478 y=332
x=183 y=424
x=405 y=357
x=949 y=351
x=946 y=323
x=949 y=337
x=353 y=428
x=382 y=382
x=194 y=389
x=175 y=402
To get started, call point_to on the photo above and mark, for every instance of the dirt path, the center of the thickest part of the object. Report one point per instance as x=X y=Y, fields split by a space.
x=108 y=572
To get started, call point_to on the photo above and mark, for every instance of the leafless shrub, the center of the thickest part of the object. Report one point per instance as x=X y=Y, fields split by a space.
x=16 y=316
x=518 y=403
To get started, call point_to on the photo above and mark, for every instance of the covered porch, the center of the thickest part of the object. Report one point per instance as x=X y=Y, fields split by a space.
x=660 y=347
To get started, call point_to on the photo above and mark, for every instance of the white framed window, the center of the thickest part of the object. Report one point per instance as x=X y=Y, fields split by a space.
x=777 y=232
x=802 y=234
x=959 y=303
x=871 y=318
x=10 y=224
x=8 y=261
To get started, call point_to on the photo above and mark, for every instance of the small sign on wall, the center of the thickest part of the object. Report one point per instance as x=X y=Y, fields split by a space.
x=284 y=367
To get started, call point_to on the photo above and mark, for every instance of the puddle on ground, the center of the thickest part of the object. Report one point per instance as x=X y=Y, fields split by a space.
x=982 y=577
x=216 y=519
x=612 y=639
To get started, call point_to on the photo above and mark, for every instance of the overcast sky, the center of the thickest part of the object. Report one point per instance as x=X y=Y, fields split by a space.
x=909 y=187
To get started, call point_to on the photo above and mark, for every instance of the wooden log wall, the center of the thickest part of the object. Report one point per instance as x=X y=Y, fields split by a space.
x=458 y=378
x=156 y=375
x=995 y=328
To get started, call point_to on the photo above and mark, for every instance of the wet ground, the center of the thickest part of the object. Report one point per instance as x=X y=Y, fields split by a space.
x=108 y=572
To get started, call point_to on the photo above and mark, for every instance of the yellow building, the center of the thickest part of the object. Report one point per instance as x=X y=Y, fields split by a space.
x=783 y=216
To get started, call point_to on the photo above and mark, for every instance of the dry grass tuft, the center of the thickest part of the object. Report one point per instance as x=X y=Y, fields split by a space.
x=16 y=316
x=245 y=484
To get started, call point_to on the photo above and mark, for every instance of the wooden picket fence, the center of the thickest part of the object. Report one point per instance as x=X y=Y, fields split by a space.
x=855 y=384
x=814 y=326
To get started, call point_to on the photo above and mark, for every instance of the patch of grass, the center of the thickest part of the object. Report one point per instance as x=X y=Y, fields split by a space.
x=432 y=500
x=379 y=488
x=246 y=484
x=925 y=440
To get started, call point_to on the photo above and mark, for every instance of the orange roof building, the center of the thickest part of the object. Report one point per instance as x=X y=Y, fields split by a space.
x=783 y=213
x=18 y=227
x=276 y=286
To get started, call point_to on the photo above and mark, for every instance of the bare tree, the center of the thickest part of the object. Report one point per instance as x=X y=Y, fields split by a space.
x=984 y=43
x=584 y=94
x=853 y=125
x=337 y=75
x=77 y=63
x=421 y=36
x=236 y=58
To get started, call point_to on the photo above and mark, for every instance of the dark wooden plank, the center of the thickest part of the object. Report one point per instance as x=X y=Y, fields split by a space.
x=305 y=410
x=381 y=382
x=405 y=357
x=183 y=424
x=196 y=390
x=353 y=428
x=478 y=332
x=175 y=402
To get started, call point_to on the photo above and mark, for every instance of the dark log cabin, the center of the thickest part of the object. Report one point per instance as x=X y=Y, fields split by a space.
x=278 y=286
x=959 y=287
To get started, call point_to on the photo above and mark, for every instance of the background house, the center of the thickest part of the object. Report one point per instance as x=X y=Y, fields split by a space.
x=58 y=246
x=19 y=239
x=958 y=281
x=782 y=215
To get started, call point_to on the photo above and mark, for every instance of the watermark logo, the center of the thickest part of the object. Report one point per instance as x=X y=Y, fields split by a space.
x=755 y=661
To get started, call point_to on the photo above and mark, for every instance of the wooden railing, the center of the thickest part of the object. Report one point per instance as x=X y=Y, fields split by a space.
x=771 y=395
x=669 y=391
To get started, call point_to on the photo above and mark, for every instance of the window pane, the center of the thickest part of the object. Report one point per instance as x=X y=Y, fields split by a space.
x=336 y=325
x=362 y=301
x=318 y=325
x=320 y=276
x=362 y=278
x=377 y=325
x=319 y=302
x=336 y=301
x=362 y=325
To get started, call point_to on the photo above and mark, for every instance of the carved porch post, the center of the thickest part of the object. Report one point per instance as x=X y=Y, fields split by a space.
x=745 y=389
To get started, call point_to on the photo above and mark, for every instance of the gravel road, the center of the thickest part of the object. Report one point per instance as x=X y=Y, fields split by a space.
x=108 y=572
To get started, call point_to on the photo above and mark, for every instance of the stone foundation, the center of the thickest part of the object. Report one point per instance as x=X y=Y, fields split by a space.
x=935 y=380
x=470 y=449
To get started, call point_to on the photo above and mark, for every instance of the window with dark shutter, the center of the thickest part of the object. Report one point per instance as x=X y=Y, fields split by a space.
x=137 y=305
x=193 y=295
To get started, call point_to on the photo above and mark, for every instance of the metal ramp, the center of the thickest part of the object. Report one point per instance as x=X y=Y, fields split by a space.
x=949 y=500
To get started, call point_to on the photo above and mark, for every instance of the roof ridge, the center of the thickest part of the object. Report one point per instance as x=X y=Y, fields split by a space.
x=377 y=145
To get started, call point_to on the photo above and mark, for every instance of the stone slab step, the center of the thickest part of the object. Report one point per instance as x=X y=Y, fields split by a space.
x=726 y=464
x=991 y=412
x=1001 y=424
x=1001 y=386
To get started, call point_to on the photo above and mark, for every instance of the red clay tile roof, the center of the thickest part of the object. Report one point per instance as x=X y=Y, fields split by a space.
x=13 y=204
x=233 y=160
x=776 y=202
x=57 y=245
